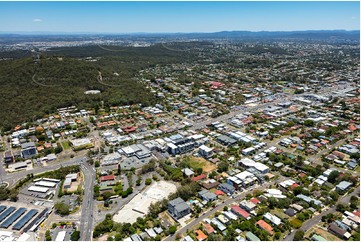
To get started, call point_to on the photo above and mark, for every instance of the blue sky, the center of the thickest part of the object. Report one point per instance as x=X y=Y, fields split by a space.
x=127 y=17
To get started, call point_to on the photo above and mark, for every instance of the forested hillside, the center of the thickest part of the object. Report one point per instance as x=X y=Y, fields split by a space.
x=31 y=89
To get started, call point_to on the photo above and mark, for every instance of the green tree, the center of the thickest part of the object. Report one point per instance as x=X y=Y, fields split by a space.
x=47 y=235
x=75 y=236
x=62 y=208
x=299 y=235
x=172 y=229
x=333 y=176
x=148 y=181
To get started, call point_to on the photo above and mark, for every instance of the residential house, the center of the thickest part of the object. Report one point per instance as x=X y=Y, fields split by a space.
x=273 y=219
x=248 y=206
x=240 y=212
x=200 y=235
x=342 y=234
x=226 y=188
x=263 y=225
x=207 y=196
x=343 y=186
x=178 y=208
x=187 y=172
x=252 y=237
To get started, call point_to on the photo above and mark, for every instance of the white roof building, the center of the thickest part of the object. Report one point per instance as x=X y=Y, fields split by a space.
x=45 y=184
x=38 y=189
x=274 y=219
x=60 y=236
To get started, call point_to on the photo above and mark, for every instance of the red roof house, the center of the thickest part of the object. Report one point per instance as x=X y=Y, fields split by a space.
x=107 y=178
x=263 y=225
x=200 y=177
x=240 y=212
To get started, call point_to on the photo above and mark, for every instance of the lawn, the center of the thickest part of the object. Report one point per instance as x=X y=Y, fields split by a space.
x=328 y=236
x=197 y=162
x=279 y=213
x=66 y=145
x=295 y=223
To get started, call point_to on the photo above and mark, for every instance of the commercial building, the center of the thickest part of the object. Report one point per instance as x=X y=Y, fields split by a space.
x=28 y=150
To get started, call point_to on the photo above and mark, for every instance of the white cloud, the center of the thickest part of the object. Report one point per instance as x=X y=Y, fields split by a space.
x=37 y=20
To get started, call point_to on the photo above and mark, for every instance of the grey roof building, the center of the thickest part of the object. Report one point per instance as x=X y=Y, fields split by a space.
x=28 y=150
x=343 y=186
x=207 y=196
x=178 y=208
x=226 y=188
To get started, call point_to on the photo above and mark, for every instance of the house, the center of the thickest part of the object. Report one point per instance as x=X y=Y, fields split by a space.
x=135 y=237
x=290 y=212
x=210 y=184
x=226 y=188
x=218 y=224
x=207 y=196
x=200 y=177
x=273 y=219
x=255 y=201
x=208 y=228
x=343 y=186
x=151 y=233
x=240 y=212
x=317 y=237
x=352 y=164
x=178 y=208
x=252 y=237
x=187 y=238
x=187 y=172
x=200 y=235
x=28 y=150
x=342 y=234
x=263 y=225
x=248 y=206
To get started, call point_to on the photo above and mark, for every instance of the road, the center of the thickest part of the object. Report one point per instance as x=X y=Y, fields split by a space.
x=315 y=220
x=220 y=207
x=87 y=212
x=13 y=178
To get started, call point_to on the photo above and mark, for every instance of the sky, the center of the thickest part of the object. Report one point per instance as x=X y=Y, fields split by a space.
x=174 y=17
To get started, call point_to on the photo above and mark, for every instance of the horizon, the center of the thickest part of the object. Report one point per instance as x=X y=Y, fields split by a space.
x=170 y=33
x=177 y=17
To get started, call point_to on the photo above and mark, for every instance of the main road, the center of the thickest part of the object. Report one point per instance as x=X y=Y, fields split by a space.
x=87 y=210
x=13 y=178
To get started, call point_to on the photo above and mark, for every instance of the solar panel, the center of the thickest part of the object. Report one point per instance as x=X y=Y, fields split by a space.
x=32 y=223
x=6 y=213
x=2 y=208
x=25 y=219
x=13 y=217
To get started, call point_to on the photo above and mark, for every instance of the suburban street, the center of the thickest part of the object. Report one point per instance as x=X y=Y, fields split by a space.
x=315 y=220
x=220 y=207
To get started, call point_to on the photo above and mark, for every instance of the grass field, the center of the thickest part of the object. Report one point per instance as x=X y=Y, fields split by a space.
x=197 y=162
x=66 y=145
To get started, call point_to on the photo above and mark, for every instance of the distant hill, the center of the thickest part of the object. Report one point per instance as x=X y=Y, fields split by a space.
x=307 y=34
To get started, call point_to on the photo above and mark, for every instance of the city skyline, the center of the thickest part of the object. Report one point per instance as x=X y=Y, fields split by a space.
x=177 y=17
